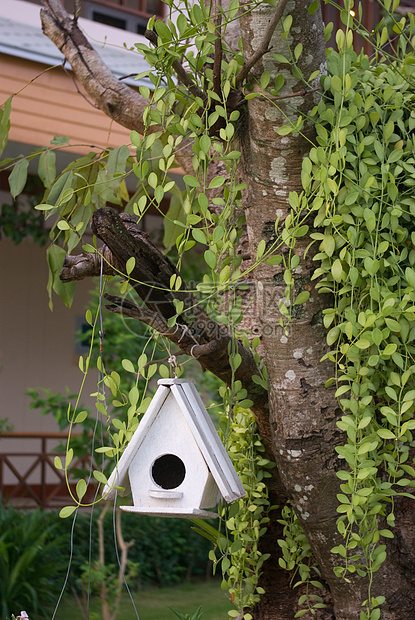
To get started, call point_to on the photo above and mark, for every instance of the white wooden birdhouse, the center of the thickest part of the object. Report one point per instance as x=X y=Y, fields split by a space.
x=175 y=463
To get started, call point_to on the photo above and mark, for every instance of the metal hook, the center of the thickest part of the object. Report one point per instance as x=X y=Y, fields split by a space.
x=173 y=363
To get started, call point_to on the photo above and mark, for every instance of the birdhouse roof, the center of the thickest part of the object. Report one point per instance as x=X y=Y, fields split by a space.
x=201 y=428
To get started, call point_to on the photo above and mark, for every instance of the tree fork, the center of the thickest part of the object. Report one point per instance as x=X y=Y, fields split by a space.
x=195 y=332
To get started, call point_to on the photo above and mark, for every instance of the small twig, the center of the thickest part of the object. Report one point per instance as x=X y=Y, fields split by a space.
x=78 y=90
x=178 y=335
x=164 y=359
x=127 y=308
x=124 y=77
x=181 y=72
x=124 y=546
x=299 y=93
x=103 y=592
x=79 y=603
x=264 y=45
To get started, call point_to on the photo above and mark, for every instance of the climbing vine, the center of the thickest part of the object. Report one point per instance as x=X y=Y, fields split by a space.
x=358 y=179
x=236 y=540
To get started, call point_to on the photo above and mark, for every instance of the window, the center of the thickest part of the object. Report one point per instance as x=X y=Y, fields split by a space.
x=129 y=15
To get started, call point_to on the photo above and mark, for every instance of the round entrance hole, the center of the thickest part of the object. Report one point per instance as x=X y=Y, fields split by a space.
x=168 y=471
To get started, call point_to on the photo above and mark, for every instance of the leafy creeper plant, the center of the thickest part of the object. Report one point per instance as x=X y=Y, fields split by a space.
x=236 y=540
x=358 y=181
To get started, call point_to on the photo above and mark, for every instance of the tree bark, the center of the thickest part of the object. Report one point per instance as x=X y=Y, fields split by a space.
x=303 y=413
x=117 y=100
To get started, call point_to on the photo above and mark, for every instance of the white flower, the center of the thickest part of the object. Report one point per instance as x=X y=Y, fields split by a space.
x=23 y=616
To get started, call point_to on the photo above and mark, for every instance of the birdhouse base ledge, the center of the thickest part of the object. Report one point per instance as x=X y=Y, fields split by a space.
x=195 y=513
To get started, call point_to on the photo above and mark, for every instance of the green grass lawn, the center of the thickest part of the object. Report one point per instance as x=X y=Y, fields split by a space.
x=154 y=604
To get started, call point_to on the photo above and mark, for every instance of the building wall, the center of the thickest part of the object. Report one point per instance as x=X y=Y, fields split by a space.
x=37 y=347
x=50 y=105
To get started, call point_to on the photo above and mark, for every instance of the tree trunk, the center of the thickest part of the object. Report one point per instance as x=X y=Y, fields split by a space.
x=303 y=413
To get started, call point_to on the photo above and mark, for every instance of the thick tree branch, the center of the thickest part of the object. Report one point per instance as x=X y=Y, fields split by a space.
x=120 y=102
x=195 y=333
x=264 y=45
x=179 y=334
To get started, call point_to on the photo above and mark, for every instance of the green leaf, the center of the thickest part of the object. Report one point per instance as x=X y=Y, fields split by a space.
x=286 y=24
x=342 y=390
x=55 y=257
x=67 y=511
x=298 y=51
x=302 y=298
x=284 y=130
x=5 y=123
x=236 y=546
x=217 y=182
x=68 y=458
x=260 y=249
x=60 y=140
x=337 y=270
x=191 y=181
x=152 y=179
x=328 y=244
x=145 y=92
x=82 y=415
x=225 y=274
x=410 y=276
x=100 y=476
x=265 y=78
x=162 y=30
x=47 y=167
x=18 y=177
x=385 y=433
x=130 y=265
x=274 y=260
x=280 y=58
x=128 y=365
x=81 y=488
x=395 y=156
x=135 y=138
x=172 y=229
x=210 y=259
x=44 y=207
x=199 y=235
x=313 y=8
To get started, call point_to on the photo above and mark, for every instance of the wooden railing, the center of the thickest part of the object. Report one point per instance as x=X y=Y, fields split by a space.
x=28 y=476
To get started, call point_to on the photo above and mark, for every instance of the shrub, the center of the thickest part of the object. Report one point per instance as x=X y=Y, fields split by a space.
x=31 y=562
x=166 y=551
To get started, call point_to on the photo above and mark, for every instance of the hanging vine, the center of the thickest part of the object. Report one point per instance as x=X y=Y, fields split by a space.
x=358 y=181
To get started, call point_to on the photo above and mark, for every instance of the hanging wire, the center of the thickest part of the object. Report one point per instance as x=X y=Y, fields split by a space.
x=65 y=583
x=114 y=528
x=69 y=566
x=101 y=390
x=100 y=387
